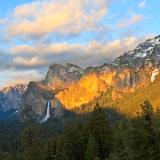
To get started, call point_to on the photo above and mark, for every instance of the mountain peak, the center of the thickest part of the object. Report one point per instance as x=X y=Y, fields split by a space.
x=59 y=76
x=146 y=53
x=10 y=97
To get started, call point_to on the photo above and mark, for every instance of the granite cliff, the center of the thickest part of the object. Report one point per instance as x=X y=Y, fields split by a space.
x=69 y=86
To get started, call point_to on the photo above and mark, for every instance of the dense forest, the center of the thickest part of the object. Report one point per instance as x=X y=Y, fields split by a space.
x=99 y=135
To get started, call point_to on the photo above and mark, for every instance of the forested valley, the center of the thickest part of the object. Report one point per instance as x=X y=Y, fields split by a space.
x=99 y=135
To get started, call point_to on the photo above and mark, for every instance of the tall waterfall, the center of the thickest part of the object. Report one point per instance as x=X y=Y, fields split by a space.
x=47 y=116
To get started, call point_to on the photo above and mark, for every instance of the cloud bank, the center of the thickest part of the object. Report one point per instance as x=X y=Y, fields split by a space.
x=39 y=18
x=42 y=32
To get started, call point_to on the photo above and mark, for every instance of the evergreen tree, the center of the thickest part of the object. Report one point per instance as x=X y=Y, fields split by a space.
x=60 y=149
x=147 y=111
x=91 y=152
x=32 y=144
x=100 y=129
x=51 y=149
x=75 y=142
x=142 y=134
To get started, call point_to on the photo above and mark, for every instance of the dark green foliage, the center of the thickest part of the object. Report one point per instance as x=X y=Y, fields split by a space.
x=32 y=144
x=143 y=135
x=100 y=129
x=75 y=142
x=51 y=149
x=92 y=149
x=94 y=136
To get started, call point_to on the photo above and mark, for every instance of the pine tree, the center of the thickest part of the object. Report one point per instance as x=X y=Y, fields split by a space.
x=75 y=142
x=147 y=111
x=32 y=144
x=142 y=134
x=100 y=129
x=60 y=149
x=91 y=152
x=51 y=149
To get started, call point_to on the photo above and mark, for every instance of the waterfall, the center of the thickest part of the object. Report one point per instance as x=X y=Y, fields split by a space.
x=47 y=116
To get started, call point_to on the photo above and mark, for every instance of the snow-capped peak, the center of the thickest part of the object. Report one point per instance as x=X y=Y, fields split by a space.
x=145 y=51
x=146 y=48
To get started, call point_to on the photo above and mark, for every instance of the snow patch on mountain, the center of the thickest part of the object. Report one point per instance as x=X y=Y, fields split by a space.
x=154 y=74
x=150 y=49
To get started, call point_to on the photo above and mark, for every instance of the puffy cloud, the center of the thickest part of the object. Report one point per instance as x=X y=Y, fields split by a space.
x=12 y=77
x=39 y=18
x=2 y=21
x=29 y=62
x=92 y=53
x=142 y=4
x=127 y=22
x=44 y=49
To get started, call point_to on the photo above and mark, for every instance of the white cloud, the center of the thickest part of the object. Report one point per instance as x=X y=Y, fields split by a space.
x=2 y=21
x=142 y=4
x=27 y=61
x=12 y=77
x=39 y=18
x=62 y=17
x=92 y=53
x=124 y=23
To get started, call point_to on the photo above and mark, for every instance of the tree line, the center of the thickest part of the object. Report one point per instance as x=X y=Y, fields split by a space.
x=95 y=137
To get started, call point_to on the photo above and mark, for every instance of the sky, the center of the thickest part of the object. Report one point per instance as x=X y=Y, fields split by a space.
x=37 y=33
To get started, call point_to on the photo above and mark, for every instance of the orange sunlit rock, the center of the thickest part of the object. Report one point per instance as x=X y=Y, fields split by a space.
x=89 y=87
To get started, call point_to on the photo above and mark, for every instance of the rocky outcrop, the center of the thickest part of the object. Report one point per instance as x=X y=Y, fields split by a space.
x=89 y=87
x=60 y=76
x=146 y=53
x=34 y=103
x=69 y=86
x=72 y=86
x=92 y=85
x=10 y=97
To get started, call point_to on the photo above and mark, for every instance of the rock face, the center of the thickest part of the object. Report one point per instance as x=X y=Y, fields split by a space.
x=146 y=53
x=10 y=97
x=35 y=101
x=124 y=75
x=60 y=76
x=73 y=86
x=69 y=86
x=94 y=84
x=89 y=87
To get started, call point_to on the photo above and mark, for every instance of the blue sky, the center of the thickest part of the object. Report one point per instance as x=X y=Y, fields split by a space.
x=37 y=33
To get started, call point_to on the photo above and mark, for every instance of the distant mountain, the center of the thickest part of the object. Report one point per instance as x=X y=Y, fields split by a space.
x=146 y=53
x=125 y=75
x=10 y=97
x=35 y=101
x=8 y=115
x=69 y=87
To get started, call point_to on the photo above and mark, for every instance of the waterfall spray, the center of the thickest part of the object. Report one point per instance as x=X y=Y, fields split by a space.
x=47 y=116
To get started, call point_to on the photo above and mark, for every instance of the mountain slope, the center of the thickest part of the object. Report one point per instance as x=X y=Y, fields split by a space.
x=69 y=86
x=146 y=53
x=129 y=103
x=60 y=76
x=10 y=97
x=74 y=87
